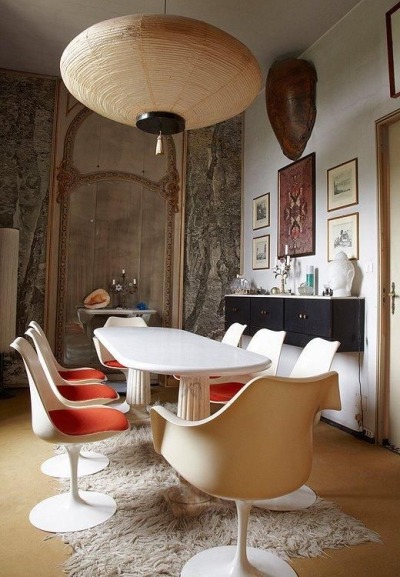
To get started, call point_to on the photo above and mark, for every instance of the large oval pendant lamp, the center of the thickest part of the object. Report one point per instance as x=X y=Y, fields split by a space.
x=161 y=73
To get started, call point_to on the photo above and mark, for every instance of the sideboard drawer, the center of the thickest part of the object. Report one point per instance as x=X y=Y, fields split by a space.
x=266 y=313
x=310 y=317
x=237 y=310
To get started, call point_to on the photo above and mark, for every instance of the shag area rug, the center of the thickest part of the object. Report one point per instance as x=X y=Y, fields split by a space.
x=144 y=539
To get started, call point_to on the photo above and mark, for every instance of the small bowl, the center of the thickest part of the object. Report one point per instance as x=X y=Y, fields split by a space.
x=305 y=290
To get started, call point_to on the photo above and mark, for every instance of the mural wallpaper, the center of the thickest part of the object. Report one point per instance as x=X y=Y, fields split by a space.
x=212 y=217
x=212 y=223
x=26 y=120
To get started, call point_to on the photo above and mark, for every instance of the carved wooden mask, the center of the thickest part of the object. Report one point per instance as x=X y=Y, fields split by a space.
x=290 y=97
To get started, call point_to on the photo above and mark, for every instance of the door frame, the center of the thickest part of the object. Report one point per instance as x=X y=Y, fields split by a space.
x=383 y=385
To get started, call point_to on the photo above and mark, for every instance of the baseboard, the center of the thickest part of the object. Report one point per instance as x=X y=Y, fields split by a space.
x=358 y=434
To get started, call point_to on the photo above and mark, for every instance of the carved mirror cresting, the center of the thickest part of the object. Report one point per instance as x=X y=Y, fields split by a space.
x=118 y=209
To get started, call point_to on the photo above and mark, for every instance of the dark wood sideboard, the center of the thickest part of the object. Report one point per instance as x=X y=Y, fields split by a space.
x=303 y=318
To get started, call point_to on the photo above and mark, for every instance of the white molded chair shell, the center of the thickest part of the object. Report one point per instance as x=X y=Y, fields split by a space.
x=316 y=358
x=76 y=510
x=55 y=380
x=125 y=322
x=240 y=454
x=264 y=342
x=89 y=462
x=103 y=353
x=268 y=343
x=137 y=382
x=233 y=334
x=70 y=372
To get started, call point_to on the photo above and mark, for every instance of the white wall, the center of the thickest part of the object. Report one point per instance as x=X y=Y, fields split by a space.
x=352 y=93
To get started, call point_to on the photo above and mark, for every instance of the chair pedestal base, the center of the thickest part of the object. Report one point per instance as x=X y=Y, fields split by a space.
x=89 y=462
x=300 y=499
x=122 y=407
x=218 y=562
x=61 y=513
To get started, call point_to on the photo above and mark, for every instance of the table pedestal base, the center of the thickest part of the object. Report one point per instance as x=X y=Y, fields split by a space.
x=138 y=415
x=193 y=405
x=184 y=499
x=138 y=396
x=138 y=387
x=193 y=398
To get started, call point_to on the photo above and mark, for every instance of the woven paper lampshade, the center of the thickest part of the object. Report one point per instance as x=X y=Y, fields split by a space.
x=162 y=73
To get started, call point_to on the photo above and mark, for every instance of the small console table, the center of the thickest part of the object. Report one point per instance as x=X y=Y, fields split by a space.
x=303 y=318
x=85 y=316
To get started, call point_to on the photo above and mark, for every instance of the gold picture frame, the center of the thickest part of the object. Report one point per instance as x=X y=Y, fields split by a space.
x=342 y=185
x=343 y=235
x=261 y=251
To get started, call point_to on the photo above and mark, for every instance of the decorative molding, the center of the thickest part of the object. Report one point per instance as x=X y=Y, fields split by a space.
x=69 y=178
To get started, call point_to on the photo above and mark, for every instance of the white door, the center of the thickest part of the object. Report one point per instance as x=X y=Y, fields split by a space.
x=393 y=413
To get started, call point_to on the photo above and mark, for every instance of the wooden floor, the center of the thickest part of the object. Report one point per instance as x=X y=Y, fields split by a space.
x=364 y=480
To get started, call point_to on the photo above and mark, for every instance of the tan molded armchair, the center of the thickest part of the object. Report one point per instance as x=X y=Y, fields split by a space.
x=241 y=455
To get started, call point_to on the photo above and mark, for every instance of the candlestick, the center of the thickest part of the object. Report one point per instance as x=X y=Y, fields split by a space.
x=282 y=268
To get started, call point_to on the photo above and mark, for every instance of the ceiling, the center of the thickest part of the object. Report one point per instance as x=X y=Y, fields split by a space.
x=34 y=33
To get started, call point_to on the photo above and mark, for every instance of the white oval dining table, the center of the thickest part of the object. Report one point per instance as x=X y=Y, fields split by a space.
x=172 y=351
x=194 y=358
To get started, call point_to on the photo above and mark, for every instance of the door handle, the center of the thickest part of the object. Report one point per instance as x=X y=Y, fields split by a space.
x=392 y=294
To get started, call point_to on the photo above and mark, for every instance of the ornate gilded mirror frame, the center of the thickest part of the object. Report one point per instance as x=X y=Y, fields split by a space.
x=67 y=179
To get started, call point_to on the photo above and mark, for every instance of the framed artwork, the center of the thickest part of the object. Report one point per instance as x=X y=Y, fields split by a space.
x=393 y=47
x=261 y=252
x=343 y=236
x=343 y=185
x=261 y=216
x=296 y=204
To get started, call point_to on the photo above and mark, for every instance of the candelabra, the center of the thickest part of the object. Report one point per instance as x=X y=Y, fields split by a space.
x=121 y=289
x=282 y=269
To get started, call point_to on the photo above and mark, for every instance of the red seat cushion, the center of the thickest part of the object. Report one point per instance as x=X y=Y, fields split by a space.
x=87 y=392
x=224 y=392
x=88 y=420
x=115 y=364
x=80 y=374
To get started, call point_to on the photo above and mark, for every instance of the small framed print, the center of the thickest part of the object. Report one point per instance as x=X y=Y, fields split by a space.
x=261 y=252
x=261 y=216
x=343 y=185
x=343 y=236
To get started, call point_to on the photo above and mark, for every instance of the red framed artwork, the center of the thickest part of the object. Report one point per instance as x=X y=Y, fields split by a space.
x=296 y=219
